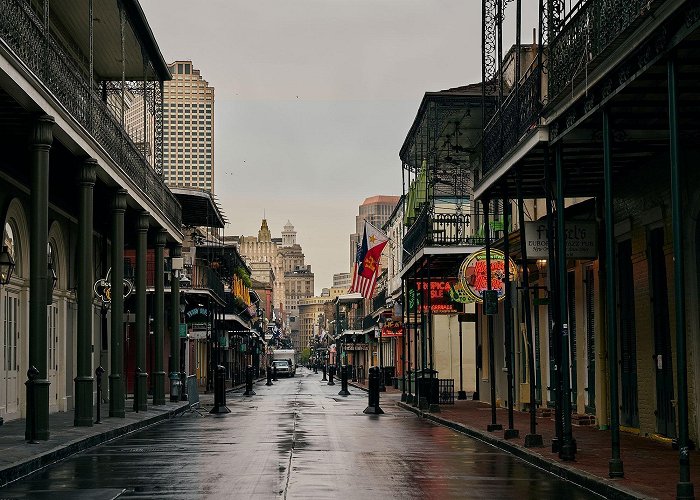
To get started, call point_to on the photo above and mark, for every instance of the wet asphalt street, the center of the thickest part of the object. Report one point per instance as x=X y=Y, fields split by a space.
x=295 y=440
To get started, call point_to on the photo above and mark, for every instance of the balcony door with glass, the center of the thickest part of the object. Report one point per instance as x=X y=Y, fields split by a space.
x=10 y=362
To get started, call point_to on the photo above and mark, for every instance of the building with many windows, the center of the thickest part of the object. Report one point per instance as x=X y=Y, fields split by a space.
x=188 y=128
x=376 y=210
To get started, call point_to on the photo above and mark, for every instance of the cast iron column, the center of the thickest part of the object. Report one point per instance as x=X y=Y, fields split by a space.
x=566 y=450
x=175 y=252
x=684 y=487
x=533 y=439
x=511 y=431
x=403 y=342
x=84 y=379
x=553 y=306
x=493 y=426
x=38 y=389
x=116 y=377
x=159 y=321
x=140 y=382
x=615 y=468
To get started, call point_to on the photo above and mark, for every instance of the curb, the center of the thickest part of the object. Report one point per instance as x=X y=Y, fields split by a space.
x=31 y=465
x=358 y=387
x=580 y=478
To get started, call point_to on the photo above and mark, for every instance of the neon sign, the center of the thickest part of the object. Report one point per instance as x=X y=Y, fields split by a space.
x=103 y=288
x=473 y=274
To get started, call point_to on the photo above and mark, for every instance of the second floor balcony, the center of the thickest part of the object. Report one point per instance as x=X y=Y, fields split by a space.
x=89 y=70
x=443 y=226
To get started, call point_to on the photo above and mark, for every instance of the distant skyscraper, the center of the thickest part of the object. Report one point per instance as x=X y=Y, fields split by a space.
x=342 y=280
x=188 y=128
x=376 y=210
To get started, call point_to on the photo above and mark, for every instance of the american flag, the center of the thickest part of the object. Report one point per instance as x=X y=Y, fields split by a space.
x=366 y=269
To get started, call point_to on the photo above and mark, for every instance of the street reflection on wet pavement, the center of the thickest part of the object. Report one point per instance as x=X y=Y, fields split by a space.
x=296 y=439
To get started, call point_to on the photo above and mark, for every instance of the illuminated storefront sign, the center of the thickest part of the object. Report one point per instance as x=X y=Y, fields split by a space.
x=392 y=328
x=473 y=274
x=441 y=290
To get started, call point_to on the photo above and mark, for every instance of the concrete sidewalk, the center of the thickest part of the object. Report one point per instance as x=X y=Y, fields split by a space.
x=651 y=467
x=19 y=458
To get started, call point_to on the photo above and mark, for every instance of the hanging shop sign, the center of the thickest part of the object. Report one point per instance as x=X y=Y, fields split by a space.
x=473 y=274
x=199 y=332
x=103 y=288
x=581 y=240
x=183 y=331
x=392 y=328
x=196 y=314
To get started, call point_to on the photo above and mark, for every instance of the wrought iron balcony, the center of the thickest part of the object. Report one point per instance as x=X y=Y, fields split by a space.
x=519 y=113
x=588 y=32
x=205 y=278
x=22 y=33
x=439 y=229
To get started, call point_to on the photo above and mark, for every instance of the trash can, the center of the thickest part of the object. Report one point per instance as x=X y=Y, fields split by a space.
x=388 y=374
x=428 y=385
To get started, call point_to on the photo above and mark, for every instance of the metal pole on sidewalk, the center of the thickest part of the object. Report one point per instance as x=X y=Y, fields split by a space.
x=493 y=426
x=553 y=306
x=510 y=432
x=615 y=466
x=684 y=487
x=98 y=376
x=532 y=439
x=461 y=395
x=566 y=450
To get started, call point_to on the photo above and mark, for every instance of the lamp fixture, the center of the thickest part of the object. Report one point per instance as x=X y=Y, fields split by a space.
x=7 y=265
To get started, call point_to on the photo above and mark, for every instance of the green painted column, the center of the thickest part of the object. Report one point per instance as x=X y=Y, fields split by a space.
x=116 y=346
x=566 y=450
x=615 y=466
x=159 y=321
x=84 y=381
x=175 y=252
x=684 y=487
x=141 y=386
x=38 y=391
x=494 y=425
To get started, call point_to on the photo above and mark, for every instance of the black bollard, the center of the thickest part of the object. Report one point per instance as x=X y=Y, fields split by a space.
x=249 y=382
x=274 y=373
x=344 y=381
x=99 y=371
x=136 y=389
x=269 y=376
x=331 y=371
x=32 y=375
x=220 y=391
x=324 y=368
x=373 y=393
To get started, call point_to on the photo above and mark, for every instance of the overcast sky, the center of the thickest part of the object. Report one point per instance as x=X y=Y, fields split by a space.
x=313 y=99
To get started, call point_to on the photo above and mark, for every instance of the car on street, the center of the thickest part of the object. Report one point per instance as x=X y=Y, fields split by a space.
x=284 y=367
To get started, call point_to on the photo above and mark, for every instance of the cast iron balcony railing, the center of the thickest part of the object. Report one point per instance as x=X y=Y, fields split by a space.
x=23 y=34
x=519 y=114
x=205 y=278
x=439 y=229
x=588 y=32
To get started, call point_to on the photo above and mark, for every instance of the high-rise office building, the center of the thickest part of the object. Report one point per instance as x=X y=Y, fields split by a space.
x=376 y=210
x=188 y=128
